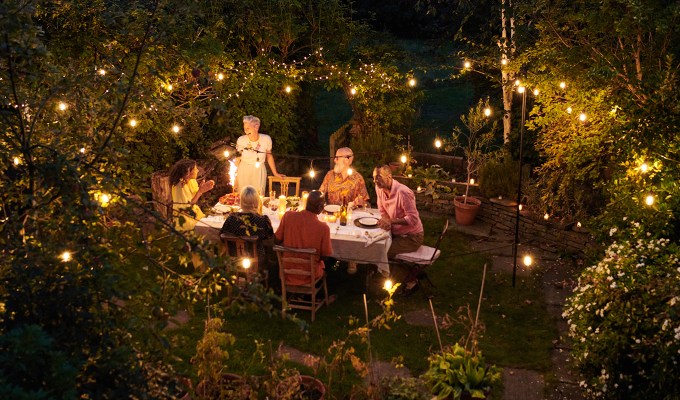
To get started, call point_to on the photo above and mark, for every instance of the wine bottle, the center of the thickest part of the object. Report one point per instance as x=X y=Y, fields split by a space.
x=343 y=212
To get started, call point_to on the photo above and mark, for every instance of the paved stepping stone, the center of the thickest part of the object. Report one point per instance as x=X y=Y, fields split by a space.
x=522 y=384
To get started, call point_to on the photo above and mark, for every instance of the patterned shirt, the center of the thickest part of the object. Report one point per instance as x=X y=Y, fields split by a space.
x=336 y=187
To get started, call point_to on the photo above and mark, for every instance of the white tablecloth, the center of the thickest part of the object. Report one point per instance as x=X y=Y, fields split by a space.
x=349 y=242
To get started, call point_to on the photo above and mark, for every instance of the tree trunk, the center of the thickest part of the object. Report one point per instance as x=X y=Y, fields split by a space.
x=162 y=193
x=507 y=45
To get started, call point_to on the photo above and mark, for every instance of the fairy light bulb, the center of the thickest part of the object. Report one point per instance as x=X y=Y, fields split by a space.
x=569 y=110
x=350 y=171
x=520 y=207
x=521 y=89
x=472 y=181
x=517 y=82
x=388 y=284
x=133 y=122
x=649 y=200
x=412 y=82
x=504 y=61
x=220 y=76
x=528 y=260
x=62 y=106
x=288 y=89
x=487 y=112
x=467 y=64
x=65 y=256
x=82 y=150
x=582 y=117
x=312 y=173
x=644 y=168
x=102 y=71
x=226 y=154
x=104 y=199
x=437 y=143
x=536 y=92
x=403 y=159
x=257 y=164
x=353 y=91
x=246 y=263
x=563 y=85
x=16 y=161
x=546 y=216
x=169 y=87
x=578 y=224
x=175 y=128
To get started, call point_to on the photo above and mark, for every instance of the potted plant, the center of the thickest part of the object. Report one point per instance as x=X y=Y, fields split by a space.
x=475 y=141
x=460 y=374
x=294 y=386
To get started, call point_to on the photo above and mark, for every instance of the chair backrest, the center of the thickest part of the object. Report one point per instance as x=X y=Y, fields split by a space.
x=284 y=183
x=290 y=255
x=244 y=247
x=439 y=240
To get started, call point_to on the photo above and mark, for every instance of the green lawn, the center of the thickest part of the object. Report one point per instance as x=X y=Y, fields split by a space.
x=519 y=333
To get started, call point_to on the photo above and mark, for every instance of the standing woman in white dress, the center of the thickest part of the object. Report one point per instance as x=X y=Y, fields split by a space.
x=254 y=148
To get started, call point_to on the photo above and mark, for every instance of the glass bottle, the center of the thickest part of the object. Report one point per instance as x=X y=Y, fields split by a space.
x=343 y=212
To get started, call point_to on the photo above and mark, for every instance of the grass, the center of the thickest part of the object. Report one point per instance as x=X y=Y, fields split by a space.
x=519 y=332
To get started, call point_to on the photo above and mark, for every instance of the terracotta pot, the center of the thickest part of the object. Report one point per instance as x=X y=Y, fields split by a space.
x=310 y=388
x=466 y=211
x=232 y=385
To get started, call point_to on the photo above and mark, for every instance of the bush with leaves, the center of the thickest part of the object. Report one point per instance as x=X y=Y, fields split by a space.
x=624 y=318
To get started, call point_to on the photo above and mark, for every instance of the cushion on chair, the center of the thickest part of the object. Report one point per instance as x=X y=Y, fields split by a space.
x=421 y=256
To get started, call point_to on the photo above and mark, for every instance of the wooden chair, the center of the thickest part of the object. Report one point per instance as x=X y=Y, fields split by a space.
x=284 y=182
x=422 y=258
x=244 y=248
x=309 y=257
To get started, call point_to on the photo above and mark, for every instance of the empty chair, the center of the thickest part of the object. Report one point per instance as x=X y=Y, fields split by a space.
x=422 y=258
x=284 y=183
x=297 y=270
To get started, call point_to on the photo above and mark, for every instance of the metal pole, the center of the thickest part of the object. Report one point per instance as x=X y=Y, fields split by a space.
x=519 y=189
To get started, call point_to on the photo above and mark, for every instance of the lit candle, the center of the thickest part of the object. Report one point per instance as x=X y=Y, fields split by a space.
x=282 y=203
x=303 y=202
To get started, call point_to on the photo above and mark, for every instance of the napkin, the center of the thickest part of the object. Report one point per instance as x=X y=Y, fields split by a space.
x=375 y=237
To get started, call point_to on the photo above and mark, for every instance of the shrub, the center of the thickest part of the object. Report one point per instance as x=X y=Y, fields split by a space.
x=624 y=320
x=498 y=176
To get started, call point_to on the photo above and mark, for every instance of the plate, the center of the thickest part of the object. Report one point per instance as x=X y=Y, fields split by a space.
x=368 y=221
x=331 y=208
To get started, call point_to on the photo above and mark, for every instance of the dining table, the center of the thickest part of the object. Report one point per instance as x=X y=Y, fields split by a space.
x=354 y=242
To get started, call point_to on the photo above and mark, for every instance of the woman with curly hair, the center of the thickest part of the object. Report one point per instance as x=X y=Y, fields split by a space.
x=185 y=193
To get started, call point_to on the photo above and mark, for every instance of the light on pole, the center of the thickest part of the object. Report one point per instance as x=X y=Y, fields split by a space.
x=522 y=90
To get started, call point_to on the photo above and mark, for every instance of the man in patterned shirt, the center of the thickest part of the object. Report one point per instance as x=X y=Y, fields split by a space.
x=343 y=181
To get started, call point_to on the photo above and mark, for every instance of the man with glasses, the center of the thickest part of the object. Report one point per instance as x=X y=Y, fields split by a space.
x=399 y=215
x=343 y=181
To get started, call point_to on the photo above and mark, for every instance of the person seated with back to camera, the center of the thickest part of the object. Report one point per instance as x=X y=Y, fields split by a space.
x=303 y=230
x=185 y=194
x=399 y=215
x=343 y=182
x=248 y=222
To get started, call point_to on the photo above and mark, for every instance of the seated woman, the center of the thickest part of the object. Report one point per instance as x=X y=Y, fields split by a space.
x=249 y=222
x=185 y=193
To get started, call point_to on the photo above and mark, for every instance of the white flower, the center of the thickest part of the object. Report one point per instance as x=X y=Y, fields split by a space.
x=612 y=231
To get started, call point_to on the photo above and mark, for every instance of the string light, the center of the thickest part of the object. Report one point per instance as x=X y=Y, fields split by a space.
x=388 y=284
x=546 y=216
x=472 y=181
x=582 y=117
x=404 y=159
x=288 y=89
x=520 y=207
x=487 y=112
x=528 y=260
x=257 y=164
x=82 y=150
x=226 y=154
x=467 y=64
x=649 y=200
x=437 y=143
x=102 y=71
x=412 y=82
x=65 y=256
x=353 y=91
x=175 y=128
x=62 y=106
x=245 y=263
x=17 y=161
x=312 y=173
x=520 y=89
x=563 y=85
x=133 y=122
x=350 y=171
x=536 y=92
x=410 y=175
x=169 y=87
x=504 y=61
x=569 y=110
x=104 y=199
x=578 y=224
x=517 y=82
x=220 y=76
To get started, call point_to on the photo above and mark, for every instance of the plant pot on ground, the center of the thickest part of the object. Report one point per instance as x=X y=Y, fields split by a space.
x=300 y=387
x=466 y=209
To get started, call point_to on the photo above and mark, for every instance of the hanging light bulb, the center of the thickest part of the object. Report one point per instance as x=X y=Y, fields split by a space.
x=649 y=200
x=288 y=89
x=437 y=143
x=528 y=260
x=169 y=87
x=569 y=110
x=517 y=82
x=353 y=91
x=404 y=159
x=257 y=164
x=133 y=122
x=246 y=263
x=82 y=150
x=220 y=76
x=312 y=173
x=102 y=71
x=472 y=181
x=582 y=117
x=467 y=64
x=350 y=171
x=521 y=89
x=520 y=207
x=578 y=224
x=16 y=161
x=412 y=82
x=104 y=199
x=546 y=216
x=226 y=154
x=175 y=128
x=504 y=61
x=62 y=106
x=644 y=167
x=487 y=112
x=65 y=256
x=536 y=92
x=563 y=85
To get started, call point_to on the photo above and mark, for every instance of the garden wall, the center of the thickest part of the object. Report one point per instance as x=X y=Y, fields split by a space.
x=547 y=235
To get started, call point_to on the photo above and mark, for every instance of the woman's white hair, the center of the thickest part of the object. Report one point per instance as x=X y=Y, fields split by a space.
x=250 y=199
x=250 y=119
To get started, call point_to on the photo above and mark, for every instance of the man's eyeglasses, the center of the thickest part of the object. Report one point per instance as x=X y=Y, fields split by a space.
x=347 y=157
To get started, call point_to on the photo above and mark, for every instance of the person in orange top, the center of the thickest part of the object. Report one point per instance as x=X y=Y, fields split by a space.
x=343 y=181
x=303 y=230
